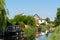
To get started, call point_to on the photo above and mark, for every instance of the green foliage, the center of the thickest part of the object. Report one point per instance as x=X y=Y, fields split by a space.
x=43 y=24
x=2 y=15
x=56 y=34
x=57 y=19
x=13 y=22
x=19 y=18
x=30 y=33
x=28 y=20
x=21 y=24
x=52 y=23
x=44 y=27
x=47 y=19
x=2 y=4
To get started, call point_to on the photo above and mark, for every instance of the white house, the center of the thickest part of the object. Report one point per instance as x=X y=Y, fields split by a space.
x=40 y=20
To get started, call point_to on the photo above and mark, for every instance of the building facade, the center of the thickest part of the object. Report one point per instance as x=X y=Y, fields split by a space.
x=40 y=20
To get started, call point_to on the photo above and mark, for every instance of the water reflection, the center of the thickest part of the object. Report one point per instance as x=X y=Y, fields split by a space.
x=44 y=37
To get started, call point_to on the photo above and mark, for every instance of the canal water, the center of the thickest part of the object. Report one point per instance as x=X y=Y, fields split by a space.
x=44 y=37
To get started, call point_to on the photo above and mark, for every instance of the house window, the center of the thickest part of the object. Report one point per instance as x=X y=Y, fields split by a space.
x=41 y=20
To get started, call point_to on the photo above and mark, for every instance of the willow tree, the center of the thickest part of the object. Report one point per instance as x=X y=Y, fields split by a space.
x=2 y=14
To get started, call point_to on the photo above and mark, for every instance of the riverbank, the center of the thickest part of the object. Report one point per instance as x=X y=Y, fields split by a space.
x=43 y=37
x=44 y=33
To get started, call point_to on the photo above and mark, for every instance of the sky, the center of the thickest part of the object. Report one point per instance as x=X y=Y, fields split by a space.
x=44 y=8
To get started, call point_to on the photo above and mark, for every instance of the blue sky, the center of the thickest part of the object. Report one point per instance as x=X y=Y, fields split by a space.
x=44 y=8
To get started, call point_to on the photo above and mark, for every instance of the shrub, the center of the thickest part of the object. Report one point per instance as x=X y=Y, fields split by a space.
x=30 y=33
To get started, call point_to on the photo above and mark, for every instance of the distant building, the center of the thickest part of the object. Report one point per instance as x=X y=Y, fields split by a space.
x=40 y=20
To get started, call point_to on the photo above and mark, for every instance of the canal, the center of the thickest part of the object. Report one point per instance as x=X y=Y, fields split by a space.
x=44 y=37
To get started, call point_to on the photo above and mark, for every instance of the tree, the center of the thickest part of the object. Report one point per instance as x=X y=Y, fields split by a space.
x=2 y=14
x=30 y=21
x=22 y=24
x=57 y=19
x=2 y=4
x=27 y=20
x=47 y=19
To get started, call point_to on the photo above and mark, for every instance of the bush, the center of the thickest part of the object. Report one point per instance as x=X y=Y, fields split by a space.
x=30 y=33
x=44 y=27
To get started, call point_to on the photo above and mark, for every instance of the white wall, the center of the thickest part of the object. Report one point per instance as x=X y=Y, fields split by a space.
x=42 y=21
